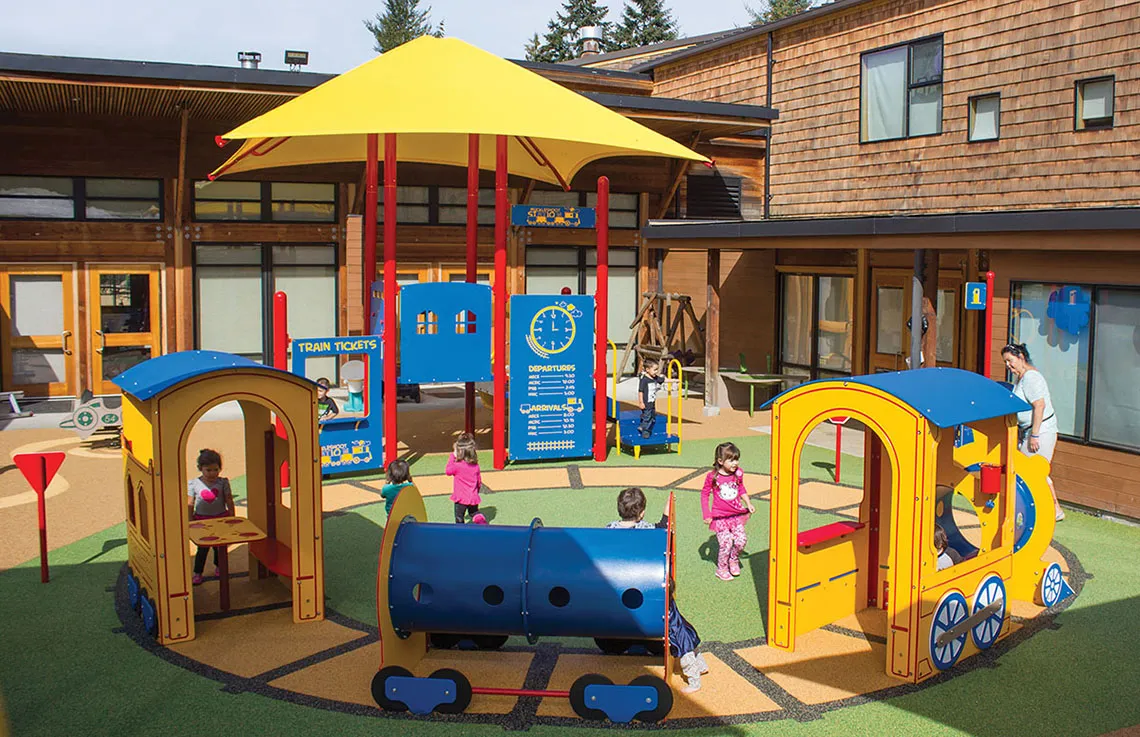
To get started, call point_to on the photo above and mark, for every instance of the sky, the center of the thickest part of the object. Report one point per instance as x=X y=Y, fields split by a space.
x=213 y=31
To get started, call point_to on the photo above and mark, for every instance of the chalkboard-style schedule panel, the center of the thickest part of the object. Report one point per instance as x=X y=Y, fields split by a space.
x=552 y=388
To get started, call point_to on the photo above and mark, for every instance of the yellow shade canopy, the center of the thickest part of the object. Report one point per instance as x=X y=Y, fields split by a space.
x=433 y=93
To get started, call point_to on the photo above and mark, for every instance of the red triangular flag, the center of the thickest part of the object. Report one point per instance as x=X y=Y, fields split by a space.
x=39 y=468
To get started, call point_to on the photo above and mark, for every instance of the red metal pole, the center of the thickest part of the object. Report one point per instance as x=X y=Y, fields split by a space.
x=371 y=196
x=499 y=423
x=390 y=327
x=601 y=339
x=838 y=447
x=41 y=508
x=472 y=256
x=281 y=361
x=987 y=348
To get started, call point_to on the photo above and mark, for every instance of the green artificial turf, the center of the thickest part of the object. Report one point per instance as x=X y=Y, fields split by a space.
x=66 y=669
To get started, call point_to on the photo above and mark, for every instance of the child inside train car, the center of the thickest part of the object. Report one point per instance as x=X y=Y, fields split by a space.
x=947 y=556
x=683 y=637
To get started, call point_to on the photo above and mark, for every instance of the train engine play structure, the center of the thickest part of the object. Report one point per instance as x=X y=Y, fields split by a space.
x=530 y=581
x=937 y=440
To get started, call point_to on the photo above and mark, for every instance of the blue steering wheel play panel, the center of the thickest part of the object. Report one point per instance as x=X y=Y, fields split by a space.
x=551 y=386
x=349 y=441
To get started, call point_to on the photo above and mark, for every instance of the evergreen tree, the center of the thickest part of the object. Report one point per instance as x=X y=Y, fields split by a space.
x=644 y=22
x=401 y=21
x=533 y=48
x=559 y=43
x=774 y=10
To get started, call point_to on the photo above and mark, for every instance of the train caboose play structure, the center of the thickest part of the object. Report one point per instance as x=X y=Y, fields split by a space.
x=163 y=398
x=936 y=438
x=531 y=581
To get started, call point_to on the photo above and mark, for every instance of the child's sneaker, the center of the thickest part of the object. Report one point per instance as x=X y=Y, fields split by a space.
x=723 y=575
x=734 y=567
x=702 y=664
x=693 y=685
x=197 y=578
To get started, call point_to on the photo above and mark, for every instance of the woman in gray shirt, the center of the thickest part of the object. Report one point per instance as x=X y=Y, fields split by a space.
x=1036 y=427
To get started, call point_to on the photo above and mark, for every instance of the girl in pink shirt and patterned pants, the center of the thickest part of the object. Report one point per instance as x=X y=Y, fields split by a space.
x=464 y=466
x=726 y=508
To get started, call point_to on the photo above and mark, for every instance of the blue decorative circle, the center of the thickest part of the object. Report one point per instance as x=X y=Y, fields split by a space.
x=951 y=611
x=990 y=590
x=1052 y=583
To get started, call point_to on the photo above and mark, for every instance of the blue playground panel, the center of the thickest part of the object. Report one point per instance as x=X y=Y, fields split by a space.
x=445 y=333
x=630 y=435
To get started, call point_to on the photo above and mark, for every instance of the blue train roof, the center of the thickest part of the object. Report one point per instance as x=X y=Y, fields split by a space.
x=945 y=396
x=146 y=379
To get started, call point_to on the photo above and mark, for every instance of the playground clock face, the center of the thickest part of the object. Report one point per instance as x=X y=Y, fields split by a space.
x=552 y=330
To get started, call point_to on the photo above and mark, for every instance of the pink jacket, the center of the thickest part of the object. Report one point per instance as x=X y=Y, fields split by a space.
x=728 y=501
x=467 y=481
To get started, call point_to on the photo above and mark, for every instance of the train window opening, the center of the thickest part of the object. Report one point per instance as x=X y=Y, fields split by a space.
x=465 y=323
x=131 y=501
x=421 y=593
x=958 y=518
x=493 y=595
x=559 y=597
x=632 y=598
x=144 y=518
x=831 y=486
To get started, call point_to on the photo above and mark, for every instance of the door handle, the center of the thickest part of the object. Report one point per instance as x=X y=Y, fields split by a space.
x=65 y=335
x=102 y=342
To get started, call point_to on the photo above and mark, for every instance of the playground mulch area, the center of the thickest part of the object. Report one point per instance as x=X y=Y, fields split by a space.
x=73 y=658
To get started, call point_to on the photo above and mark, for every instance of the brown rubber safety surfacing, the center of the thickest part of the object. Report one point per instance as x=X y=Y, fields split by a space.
x=256 y=648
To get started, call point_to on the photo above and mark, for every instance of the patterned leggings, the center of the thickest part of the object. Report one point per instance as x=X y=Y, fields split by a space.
x=731 y=539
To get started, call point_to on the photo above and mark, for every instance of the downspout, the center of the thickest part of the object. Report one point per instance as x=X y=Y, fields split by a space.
x=768 y=138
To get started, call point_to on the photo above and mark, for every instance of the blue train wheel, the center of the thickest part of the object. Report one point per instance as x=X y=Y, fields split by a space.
x=613 y=646
x=380 y=690
x=578 y=696
x=1052 y=582
x=950 y=612
x=133 y=591
x=462 y=691
x=664 y=698
x=149 y=614
x=990 y=591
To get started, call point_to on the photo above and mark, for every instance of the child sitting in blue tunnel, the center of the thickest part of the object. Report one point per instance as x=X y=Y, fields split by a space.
x=683 y=637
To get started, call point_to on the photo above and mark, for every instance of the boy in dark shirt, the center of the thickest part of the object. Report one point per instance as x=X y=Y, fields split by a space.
x=326 y=405
x=647 y=387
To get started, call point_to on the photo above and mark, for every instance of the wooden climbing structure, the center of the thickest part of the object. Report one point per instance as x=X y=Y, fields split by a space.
x=659 y=326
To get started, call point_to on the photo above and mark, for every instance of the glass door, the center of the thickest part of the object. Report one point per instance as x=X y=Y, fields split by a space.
x=125 y=322
x=37 y=340
x=890 y=311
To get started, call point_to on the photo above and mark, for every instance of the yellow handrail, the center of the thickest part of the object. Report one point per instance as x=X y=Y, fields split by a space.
x=669 y=400
x=614 y=399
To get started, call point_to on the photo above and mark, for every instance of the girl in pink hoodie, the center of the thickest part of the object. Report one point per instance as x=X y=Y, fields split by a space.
x=726 y=508
x=464 y=466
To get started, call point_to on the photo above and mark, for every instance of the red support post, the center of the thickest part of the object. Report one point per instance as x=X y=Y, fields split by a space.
x=472 y=257
x=601 y=337
x=41 y=513
x=281 y=361
x=987 y=347
x=499 y=350
x=838 y=449
x=371 y=197
x=390 y=327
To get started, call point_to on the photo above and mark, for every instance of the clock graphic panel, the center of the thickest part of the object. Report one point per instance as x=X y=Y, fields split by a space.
x=552 y=330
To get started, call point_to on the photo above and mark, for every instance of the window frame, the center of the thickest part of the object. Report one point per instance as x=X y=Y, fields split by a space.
x=1079 y=123
x=970 y=103
x=266 y=267
x=814 y=371
x=1085 y=438
x=79 y=199
x=909 y=86
x=266 y=202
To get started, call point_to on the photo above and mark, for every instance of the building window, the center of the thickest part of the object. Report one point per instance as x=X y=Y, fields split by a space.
x=1094 y=103
x=78 y=198
x=308 y=203
x=985 y=118
x=226 y=200
x=234 y=287
x=551 y=269
x=413 y=205
x=817 y=329
x=714 y=197
x=902 y=91
x=624 y=212
x=453 y=206
x=1085 y=341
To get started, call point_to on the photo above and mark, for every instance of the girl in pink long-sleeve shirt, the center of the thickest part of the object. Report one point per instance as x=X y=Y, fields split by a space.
x=727 y=510
x=464 y=466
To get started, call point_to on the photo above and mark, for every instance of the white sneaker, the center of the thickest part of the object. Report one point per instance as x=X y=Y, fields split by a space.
x=702 y=664
x=693 y=685
x=1060 y=514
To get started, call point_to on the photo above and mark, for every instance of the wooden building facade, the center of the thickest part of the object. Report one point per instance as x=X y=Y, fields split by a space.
x=991 y=134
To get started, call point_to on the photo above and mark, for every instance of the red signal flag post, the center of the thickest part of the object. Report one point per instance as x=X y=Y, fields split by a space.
x=39 y=469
